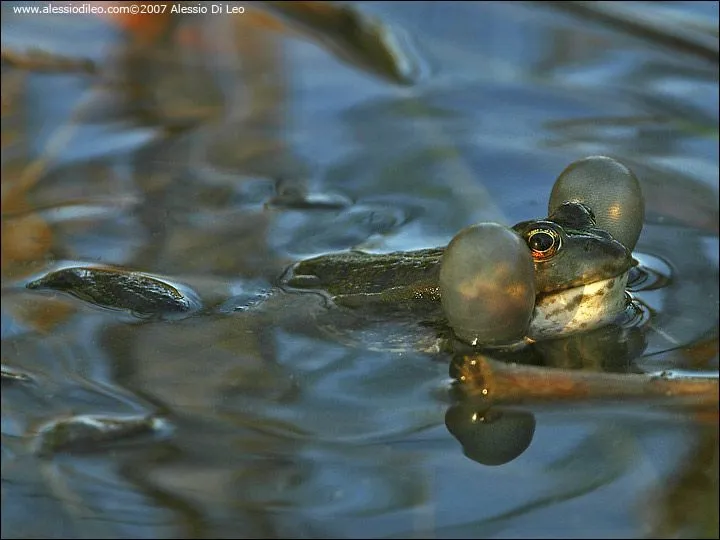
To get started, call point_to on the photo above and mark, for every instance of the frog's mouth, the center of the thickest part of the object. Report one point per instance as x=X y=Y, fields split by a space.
x=578 y=309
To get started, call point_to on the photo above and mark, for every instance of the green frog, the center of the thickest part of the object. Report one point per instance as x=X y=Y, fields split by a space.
x=498 y=286
x=492 y=285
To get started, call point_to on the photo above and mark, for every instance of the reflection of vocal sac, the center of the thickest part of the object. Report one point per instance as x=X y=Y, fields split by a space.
x=490 y=435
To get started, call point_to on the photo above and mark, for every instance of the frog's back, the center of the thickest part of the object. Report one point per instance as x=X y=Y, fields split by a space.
x=389 y=276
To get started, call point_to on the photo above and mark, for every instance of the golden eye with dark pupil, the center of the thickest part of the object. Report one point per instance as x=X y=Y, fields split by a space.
x=543 y=244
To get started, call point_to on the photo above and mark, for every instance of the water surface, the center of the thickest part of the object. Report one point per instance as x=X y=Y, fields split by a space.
x=217 y=150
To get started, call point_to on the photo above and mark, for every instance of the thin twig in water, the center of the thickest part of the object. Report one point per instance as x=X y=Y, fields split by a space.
x=503 y=382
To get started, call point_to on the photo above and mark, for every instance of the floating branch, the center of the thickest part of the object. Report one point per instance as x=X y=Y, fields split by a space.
x=502 y=382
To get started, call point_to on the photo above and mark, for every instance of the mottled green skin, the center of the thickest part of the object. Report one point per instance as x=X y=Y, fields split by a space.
x=409 y=280
x=355 y=278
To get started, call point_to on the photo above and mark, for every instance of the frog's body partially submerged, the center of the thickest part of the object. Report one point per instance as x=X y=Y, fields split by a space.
x=541 y=279
x=356 y=278
x=581 y=287
x=492 y=285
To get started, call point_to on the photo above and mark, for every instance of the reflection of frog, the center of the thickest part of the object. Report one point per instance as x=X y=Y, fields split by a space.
x=542 y=279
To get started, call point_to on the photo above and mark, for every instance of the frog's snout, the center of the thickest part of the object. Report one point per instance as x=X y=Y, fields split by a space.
x=487 y=285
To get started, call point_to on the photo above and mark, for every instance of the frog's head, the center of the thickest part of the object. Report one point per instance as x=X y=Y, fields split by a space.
x=569 y=250
x=550 y=277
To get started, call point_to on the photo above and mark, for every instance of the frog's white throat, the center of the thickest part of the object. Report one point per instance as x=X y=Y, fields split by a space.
x=578 y=309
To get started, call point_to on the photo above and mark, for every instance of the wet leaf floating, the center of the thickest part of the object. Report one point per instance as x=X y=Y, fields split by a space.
x=357 y=37
x=87 y=433
x=136 y=292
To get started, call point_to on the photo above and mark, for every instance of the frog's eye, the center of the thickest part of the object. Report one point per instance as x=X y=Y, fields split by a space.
x=543 y=244
x=610 y=190
x=487 y=285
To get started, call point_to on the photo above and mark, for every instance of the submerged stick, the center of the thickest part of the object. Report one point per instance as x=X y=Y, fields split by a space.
x=504 y=382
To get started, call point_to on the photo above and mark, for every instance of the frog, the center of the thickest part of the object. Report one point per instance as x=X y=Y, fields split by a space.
x=499 y=286
x=491 y=286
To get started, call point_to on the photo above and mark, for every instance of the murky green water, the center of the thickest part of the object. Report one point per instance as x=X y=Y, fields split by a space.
x=228 y=147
